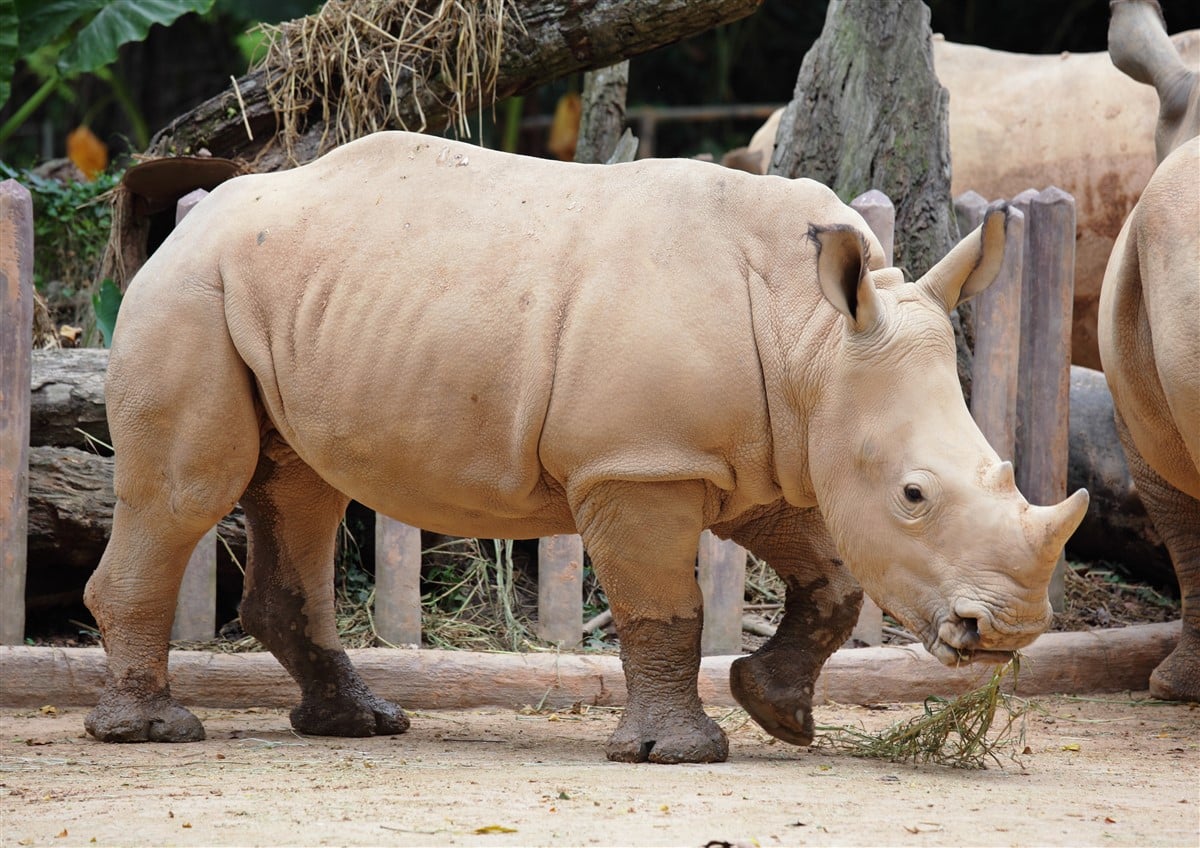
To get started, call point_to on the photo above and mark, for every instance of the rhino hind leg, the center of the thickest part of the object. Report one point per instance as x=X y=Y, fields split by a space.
x=183 y=456
x=132 y=595
x=775 y=683
x=642 y=538
x=292 y=516
x=1176 y=517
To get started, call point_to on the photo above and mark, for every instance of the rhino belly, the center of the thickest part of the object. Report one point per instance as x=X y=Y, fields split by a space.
x=410 y=395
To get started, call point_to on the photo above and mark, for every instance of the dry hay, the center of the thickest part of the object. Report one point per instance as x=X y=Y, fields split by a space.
x=949 y=732
x=364 y=62
x=1097 y=597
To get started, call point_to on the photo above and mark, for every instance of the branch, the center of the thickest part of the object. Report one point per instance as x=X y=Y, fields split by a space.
x=557 y=37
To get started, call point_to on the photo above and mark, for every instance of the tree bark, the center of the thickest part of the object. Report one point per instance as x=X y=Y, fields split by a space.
x=603 y=118
x=868 y=112
x=66 y=396
x=556 y=38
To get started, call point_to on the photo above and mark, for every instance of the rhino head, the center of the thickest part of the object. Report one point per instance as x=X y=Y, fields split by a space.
x=921 y=508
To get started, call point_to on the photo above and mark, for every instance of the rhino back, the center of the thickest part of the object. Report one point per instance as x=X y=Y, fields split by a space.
x=443 y=330
x=1020 y=121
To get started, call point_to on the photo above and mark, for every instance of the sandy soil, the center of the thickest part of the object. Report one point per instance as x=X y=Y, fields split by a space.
x=1098 y=772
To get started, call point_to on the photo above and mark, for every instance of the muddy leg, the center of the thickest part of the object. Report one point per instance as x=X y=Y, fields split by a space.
x=775 y=683
x=642 y=538
x=292 y=517
x=186 y=438
x=1176 y=517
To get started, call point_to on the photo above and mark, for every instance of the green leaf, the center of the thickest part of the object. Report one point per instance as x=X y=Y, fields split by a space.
x=120 y=22
x=43 y=21
x=106 y=303
x=9 y=24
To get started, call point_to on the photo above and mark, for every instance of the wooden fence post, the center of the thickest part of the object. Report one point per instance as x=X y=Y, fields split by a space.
x=722 y=576
x=397 y=582
x=1045 y=375
x=997 y=332
x=16 y=343
x=196 y=607
x=560 y=589
x=879 y=212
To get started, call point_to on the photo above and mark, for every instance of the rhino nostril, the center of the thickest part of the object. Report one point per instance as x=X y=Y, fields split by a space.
x=970 y=628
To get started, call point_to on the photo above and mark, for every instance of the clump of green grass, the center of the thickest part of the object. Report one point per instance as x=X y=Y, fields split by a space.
x=963 y=732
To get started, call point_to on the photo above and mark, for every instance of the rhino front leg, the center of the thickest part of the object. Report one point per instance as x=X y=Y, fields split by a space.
x=642 y=538
x=292 y=517
x=775 y=683
x=1176 y=517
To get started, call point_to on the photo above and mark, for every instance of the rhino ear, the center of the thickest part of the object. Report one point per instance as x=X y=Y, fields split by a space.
x=973 y=264
x=842 y=273
x=1138 y=43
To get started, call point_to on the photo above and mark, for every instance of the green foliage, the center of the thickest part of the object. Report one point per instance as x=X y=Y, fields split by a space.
x=63 y=39
x=9 y=45
x=252 y=45
x=70 y=228
x=119 y=22
x=106 y=302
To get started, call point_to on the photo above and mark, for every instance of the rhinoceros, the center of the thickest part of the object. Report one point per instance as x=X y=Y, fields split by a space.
x=484 y=344
x=1150 y=327
x=1020 y=121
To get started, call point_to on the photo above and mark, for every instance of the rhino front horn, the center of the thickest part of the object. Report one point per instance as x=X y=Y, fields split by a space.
x=1052 y=526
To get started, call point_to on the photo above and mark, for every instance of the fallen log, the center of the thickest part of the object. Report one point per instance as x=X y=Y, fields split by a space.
x=1098 y=661
x=553 y=39
x=67 y=396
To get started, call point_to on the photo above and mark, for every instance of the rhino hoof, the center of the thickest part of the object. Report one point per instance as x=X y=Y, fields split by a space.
x=703 y=743
x=157 y=719
x=1177 y=678
x=784 y=712
x=372 y=717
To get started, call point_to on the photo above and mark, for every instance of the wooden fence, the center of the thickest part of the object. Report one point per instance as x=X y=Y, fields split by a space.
x=1021 y=374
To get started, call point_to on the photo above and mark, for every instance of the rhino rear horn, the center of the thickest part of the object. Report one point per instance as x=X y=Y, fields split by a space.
x=842 y=256
x=973 y=264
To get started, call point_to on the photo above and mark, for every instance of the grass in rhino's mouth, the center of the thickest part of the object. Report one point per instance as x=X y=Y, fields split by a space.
x=961 y=732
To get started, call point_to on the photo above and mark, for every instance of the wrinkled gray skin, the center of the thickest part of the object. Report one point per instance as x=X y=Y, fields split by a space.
x=489 y=345
x=1150 y=324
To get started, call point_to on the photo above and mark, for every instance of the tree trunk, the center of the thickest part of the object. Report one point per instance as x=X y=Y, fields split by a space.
x=603 y=118
x=556 y=38
x=868 y=112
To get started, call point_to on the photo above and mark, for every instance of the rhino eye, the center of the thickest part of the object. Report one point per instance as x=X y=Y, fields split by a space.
x=912 y=493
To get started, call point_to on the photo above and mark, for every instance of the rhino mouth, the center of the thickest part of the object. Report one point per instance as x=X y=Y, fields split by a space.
x=957 y=642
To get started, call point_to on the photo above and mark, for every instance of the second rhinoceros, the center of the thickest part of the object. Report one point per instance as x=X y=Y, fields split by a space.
x=490 y=345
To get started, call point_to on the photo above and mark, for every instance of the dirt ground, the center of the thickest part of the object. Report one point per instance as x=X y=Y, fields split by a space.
x=1102 y=771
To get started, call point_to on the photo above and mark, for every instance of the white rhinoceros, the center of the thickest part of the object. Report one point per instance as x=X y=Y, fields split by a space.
x=1020 y=121
x=490 y=345
x=1150 y=326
